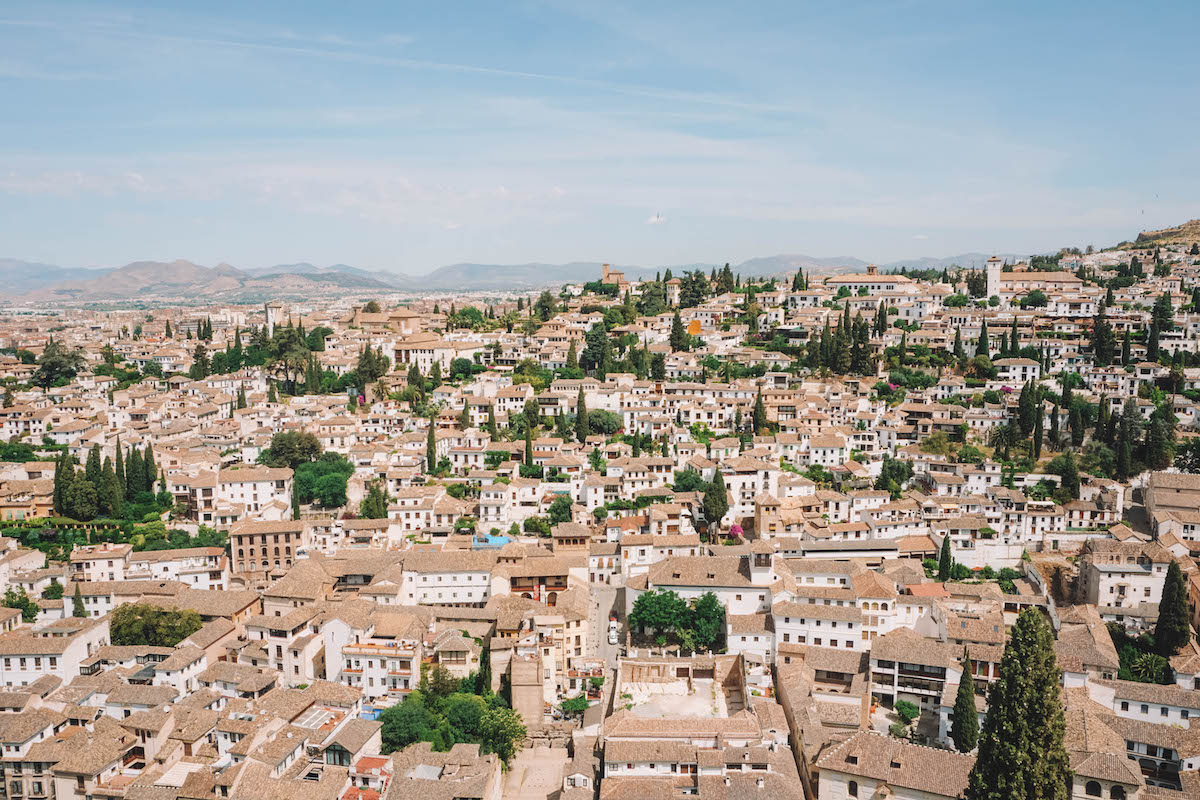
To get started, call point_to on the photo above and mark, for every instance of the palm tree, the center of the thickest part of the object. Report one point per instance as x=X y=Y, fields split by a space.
x=1149 y=666
x=1003 y=438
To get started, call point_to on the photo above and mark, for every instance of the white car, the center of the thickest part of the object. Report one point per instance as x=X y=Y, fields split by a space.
x=612 y=636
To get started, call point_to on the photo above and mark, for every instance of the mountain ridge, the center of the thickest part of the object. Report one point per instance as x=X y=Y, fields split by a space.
x=36 y=281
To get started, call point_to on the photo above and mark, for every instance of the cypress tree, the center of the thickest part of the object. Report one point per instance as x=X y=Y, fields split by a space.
x=491 y=423
x=1037 y=432
x=241 y=397
x=430 y=450
x=572 y=356
x=1054 y=434
x=958 y=345
x=981 y=345
x=965 y=731
x=1174 y=630
x=760 y=416
x=295 y=502
x=108 y=490
x=151 y=469
x=119 y=467
x=581 y=417
x=528 y=446
x=1013 y=341
x=135 y=475
x=1078 y=426
x=945 y=561
x=1070 y=475
x=272 y=397
x=1021 y=751
x=77 y=609
x=678 y=337
x=91 y=470
x=64 y=471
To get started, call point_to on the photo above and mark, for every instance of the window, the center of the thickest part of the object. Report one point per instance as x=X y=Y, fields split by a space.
x=852 y=789
x=1124 y=705
x=1092 y=789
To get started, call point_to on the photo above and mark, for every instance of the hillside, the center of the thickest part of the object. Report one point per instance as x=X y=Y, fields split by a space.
x=20 y=277
x=1187 y=233
x=183 y=279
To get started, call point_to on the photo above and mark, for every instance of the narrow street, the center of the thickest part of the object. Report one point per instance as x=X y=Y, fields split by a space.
x=604 y=599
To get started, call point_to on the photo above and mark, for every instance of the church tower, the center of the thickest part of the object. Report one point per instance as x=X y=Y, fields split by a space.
x=994 y=268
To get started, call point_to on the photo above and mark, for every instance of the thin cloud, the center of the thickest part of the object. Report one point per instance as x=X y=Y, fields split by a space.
x=920 y=236
x=634 y=90
x=657 y=219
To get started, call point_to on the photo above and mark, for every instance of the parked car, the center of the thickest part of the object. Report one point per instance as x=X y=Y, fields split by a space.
x=612 y=636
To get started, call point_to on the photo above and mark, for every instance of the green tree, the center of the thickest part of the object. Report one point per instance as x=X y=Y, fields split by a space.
x=981 y=344
x=965 y=731
x=81 y=500
x=430 y=449
x=1021 y=752
x=715 y=504
x=200 y=363
x=290 y=449
x=330 y=490
x=77 y=608
x=581 y=418
x=375 y=504
x=1104 y=341
x=406 y=723
x=761 y=426
x=659 y=610
x=706 y=621
x=54 y=591
x=679 y=337
x=18 y=599
x=1174 y=629
x=945 y=561
x=1037 y=431
x=57 y=364
x=500 y=729
x=148 y=624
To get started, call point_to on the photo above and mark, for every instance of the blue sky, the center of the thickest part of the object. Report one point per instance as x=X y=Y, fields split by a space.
x=405 y=136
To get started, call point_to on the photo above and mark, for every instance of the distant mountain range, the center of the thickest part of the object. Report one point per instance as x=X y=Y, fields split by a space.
x=184 y=280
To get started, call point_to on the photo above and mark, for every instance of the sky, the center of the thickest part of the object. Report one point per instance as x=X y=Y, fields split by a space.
x=406 y=136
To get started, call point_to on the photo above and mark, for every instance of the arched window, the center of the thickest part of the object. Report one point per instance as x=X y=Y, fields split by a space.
x=1118 y=793
x=874 y=606
x=241 y=554
x=883 y=606
x=1092 y=789
x=853 y=789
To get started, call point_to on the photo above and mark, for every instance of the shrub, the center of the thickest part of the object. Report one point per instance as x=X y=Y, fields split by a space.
x=907 y=711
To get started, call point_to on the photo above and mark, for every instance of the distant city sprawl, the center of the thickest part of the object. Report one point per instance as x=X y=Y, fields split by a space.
x=910 y=533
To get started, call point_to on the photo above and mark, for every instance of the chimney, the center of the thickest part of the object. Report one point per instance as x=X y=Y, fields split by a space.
x=872 y=269
x=759 y=782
